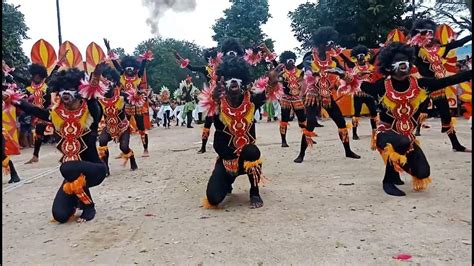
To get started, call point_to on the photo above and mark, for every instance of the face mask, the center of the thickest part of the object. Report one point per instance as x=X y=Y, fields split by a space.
x=129 y=69
x=329 y=43
x=290 y=61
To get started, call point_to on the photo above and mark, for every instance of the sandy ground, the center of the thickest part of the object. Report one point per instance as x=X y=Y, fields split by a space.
x=153 y=215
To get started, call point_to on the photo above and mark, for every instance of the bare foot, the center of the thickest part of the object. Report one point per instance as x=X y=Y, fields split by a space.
x=256 y=202
x=88 y=214
x=34 y=159
x=145 y=154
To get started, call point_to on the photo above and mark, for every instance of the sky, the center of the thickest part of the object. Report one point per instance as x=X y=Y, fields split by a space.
x=123 y=22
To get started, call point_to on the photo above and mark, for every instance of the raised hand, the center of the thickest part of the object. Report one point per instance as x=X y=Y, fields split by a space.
x=99 y=68
x=107 y=44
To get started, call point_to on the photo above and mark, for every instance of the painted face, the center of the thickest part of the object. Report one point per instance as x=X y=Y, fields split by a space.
x=68 y=96
x=233 y=86
x=130 y=71
x=231 y=53
x=330 y=45
x=37 y=79
x=290 y=64
x=400 y=66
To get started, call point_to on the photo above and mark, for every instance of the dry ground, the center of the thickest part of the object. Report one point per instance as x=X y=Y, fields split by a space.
x=153 y=215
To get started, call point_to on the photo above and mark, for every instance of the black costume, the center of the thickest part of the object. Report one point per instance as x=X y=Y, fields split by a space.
x=81 y=166
x=400 y=100
x=429 y=62
x=117 y=126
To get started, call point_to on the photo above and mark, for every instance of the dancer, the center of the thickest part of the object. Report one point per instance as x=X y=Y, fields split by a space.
x=117 y=126
x=214 y=58
x=131 y=72
x=187 y=91
x=232 y=107
x=361 y=64
x=41 y=97
x=400 y=96
x=431 y=62
x=76 y=120
x=320 y=84
x=292 y=78
x=8 y=144
x=165 y=108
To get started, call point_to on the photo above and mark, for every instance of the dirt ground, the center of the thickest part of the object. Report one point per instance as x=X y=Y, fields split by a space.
x=311 y=215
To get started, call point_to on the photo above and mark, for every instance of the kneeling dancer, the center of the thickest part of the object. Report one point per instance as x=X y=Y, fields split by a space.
x=400 y=97
x=232 y=108
x=76 y=120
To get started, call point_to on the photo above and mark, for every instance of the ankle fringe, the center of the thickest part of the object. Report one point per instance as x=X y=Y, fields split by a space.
x=207 y=205
x=420 y=184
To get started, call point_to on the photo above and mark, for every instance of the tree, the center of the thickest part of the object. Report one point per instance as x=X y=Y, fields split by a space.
x=357 y=21
x=163 y=69
x=243 y=20
x=453 y=13
x=119 y=51
x=13 y=33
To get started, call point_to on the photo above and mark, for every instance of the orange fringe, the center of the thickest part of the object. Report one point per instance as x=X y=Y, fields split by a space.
x=355 y=121
x=343 y=134
x=127 y=156
x=6 y=165
x=75 y=186
x=373 y=140
x=102 y=151
x=396 y=159
x=422 y=117
x=249 y=164
x=308 y=137
x=207 y=205
x=420 y=184
x=205 y=133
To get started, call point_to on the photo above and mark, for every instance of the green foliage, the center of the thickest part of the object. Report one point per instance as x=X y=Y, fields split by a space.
x=358 y=21
x=13 y=33
x=119 y=51
x=164 y=70
x=243 y=20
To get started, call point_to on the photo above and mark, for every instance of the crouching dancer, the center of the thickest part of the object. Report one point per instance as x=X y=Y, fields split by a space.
x=233 y=107
x=400 y=98
x=76 y=120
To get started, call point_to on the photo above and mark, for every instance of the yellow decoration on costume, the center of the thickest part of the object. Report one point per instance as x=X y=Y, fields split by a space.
x=6 y=165
x=396 y=159
x=250 y=164
x=75 y=186
x=102 y=151
x=58 y=121
x=135 y=82
x=420 y=184
x=207 y=205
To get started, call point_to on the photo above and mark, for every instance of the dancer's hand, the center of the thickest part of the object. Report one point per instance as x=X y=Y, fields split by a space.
x=99 y=68
x=107 y=44
x=274 y=74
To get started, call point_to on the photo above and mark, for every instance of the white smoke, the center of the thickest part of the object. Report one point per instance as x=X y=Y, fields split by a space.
x=158 y=8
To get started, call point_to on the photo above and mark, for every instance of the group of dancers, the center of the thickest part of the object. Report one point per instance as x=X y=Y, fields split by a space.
x=386 y=81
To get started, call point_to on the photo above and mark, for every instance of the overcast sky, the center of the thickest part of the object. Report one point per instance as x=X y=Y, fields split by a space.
x=123 y=22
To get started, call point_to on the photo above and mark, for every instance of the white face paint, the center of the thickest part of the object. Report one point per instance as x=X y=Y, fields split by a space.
x=229 y=82
x=231 y=53
x=401 y=65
